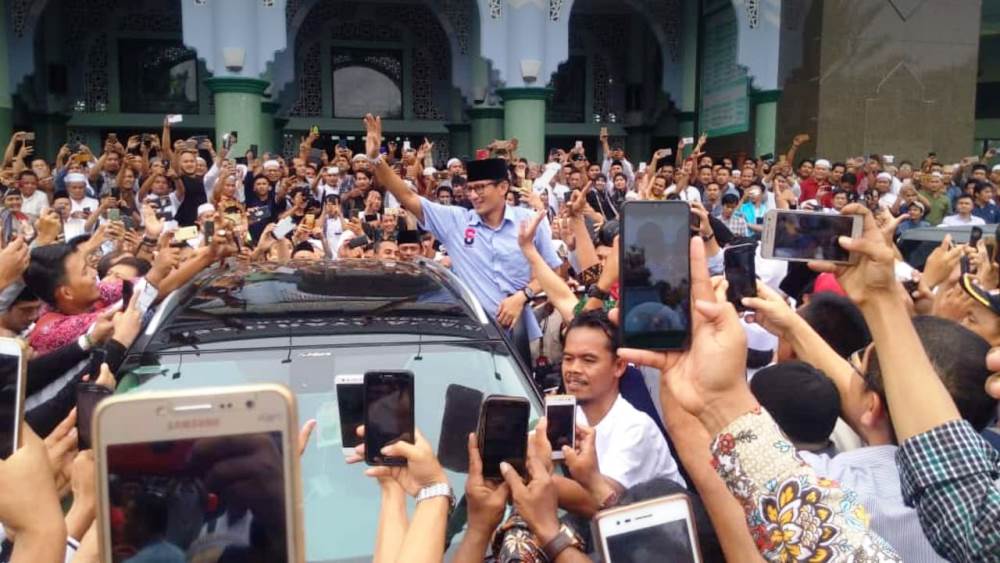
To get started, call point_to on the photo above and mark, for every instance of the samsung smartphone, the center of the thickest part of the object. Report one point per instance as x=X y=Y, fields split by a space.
x=388 y=418
x=741 y=273
x=127 y=289
x=503 y=434
x=88 y=395
x=560 y=413
x=460 y=418
x=199 y=472
x=654 y=530
x=11 y=395
x=654 y=253
x=351 y=406
x=803 y=236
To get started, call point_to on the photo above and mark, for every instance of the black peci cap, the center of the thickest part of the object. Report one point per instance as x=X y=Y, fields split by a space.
x=488 y=169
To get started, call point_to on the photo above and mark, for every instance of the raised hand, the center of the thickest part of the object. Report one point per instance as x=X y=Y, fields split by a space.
x=487 y=500
x=527 y=229
x=373 y=138
x=874 y=272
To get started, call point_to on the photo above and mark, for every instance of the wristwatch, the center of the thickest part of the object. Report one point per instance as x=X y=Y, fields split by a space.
x=528 y=292
x=563 y=540
x=374 y=161
x=595 y=292
x=438 y=490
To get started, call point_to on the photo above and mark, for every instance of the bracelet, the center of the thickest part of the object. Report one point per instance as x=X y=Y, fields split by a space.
x=561 y=542
x=375 y=161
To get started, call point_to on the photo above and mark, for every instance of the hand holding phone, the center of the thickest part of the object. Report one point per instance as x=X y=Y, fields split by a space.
x=88 y=395
x=625 y=534
x=805 y=236
x=351 y=409
x=503 y=434
x=560 y=415
x=388 y=414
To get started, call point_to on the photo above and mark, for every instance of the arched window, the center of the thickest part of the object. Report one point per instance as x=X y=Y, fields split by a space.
x=367 y=80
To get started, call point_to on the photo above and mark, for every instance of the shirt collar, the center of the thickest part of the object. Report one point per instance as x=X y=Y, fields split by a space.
x=508 y=215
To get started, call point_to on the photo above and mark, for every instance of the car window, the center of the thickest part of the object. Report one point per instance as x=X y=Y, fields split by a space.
x=341 y=504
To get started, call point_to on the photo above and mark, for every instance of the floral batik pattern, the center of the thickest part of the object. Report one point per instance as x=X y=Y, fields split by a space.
x=792 y=514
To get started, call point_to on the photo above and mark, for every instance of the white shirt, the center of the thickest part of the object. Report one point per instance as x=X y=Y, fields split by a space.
x=87 y=203
x=689 y=194
x=872 y=474
x=887 y=200
x=334 y=232
x=630 y=448
x=35 y=204
x=957 y=221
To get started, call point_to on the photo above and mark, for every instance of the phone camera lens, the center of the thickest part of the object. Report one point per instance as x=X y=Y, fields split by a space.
x=250 y=403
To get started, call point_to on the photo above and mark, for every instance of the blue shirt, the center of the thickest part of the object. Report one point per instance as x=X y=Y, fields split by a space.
x=989 y=213
x=489 y=260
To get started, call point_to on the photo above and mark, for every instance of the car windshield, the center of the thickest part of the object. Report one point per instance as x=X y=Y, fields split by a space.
x=341 y=504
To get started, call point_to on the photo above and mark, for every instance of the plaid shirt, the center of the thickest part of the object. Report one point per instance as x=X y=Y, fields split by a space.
x=952 y=476
x=736 y=224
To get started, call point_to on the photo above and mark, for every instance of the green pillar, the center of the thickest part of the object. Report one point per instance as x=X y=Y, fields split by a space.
x=685 y=128
x=268 y=141
x=485 y=125
x=6 y=102
x=765 y=120
x=460 y=139
x=524 y=119
x=238 y=108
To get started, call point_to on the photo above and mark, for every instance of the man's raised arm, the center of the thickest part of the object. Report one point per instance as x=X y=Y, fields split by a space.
x=386 y=177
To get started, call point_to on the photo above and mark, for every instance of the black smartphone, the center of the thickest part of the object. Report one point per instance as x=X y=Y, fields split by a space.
x=388 y=414
x=741 y=273
x=357 y=241
x=97 y=357
x=975 y=234
x=503 y=434
x=87 y=396
x=208 y=229
x=253 y=149
x=116 y=193
x=461 y=410
x=9 y=232
x=342 y=143
x=11 y=396
x=656 y=275
x=127 y=289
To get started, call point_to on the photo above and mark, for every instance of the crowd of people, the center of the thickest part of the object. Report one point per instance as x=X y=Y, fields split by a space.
x=846 y=413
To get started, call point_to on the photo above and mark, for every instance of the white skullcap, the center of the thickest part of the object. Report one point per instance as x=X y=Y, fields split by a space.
x=75 y=177
x=359 y=156
x=884 y=176
x=754 y=189
x=822 y=162
x=430 y=171
x=453 y=161
x=736 y=174
x=938 y=174
x=205 y=208
x=202 y=160
x=996 y=167
x=271 y=164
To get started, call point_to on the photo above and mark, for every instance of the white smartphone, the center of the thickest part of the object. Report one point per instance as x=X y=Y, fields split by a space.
x=668 y=152
x=803 y=236
x=578 y=145
x=351 y=406
x=217 y=467
x=175 y=118
x=654 y=530
x=560 y=413
x=406 y=145
x=642 y=167
x=283 y=227
x=688 y=140
x=889 y=159
x=11 y=395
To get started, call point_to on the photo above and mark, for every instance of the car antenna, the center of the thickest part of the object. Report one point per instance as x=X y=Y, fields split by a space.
x=420 y=342
x=180 y=362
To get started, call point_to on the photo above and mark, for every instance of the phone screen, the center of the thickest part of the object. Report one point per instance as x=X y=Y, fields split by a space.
x=9 y=397
x=811 y=236
x=656 y=275
x=561 y=425
x=650 y=544
x=192 y=499
x=504 y=435
x=208 y=229
x=741 y=273
x=351 y=404
x=388 y=414
x=127 y=289
x=87 y=397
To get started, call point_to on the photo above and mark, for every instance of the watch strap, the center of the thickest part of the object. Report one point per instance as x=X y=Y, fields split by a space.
x=437 y=490
x=563 y=540
x=595 y=292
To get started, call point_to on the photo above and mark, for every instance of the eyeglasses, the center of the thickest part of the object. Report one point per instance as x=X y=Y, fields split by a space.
x=478 y=189
x=856 y=359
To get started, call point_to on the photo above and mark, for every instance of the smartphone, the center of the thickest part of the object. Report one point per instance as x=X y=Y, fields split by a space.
x=688 y=140
x=309 y=220
x=127 y=289
x=503 y=434
x=406 y=145
x=314 y=130
x=888 y=158
x=114 y=214
x=372 y=218
x=975 y=234
x=355 y=242
x=112 y=137
x=560 y=413
x=208 y=229
x=351 y=406
x=175 y=118
x=93 y=367
x=460 y=418
x=769 y=156
x=200 y=457
x=656 y=275
x=283 y=227
x=88 y=395
x=11 y=395
x=342 y=143
x=741 y=273
x=802 y=236
x=388 y=414
x=29 y=139
x=578 y=145
x=185 y=234
x=634 y=533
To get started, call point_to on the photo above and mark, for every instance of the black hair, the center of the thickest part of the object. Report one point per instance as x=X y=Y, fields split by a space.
x=26 y=173
x=781 y=389
x=964 y=196
x=621 y=174
x=980 y=186
x=980 y=166
x=958 y=357
x=729 y=199
x=304 y=246
x=849 y=177
x=805 y=160
x=616 y=162
x=840 y=164
x=596 y=319
x=118 y=258
x=445 y=189
x=366 y=174
x=838 y=321
x=27 y=294
x=47 y=269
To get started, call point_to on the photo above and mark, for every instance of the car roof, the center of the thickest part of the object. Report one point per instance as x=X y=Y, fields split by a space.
x=959 y=234
x=310 y=299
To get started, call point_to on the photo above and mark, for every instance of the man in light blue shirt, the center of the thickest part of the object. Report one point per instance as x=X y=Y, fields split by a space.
x=482 y=241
